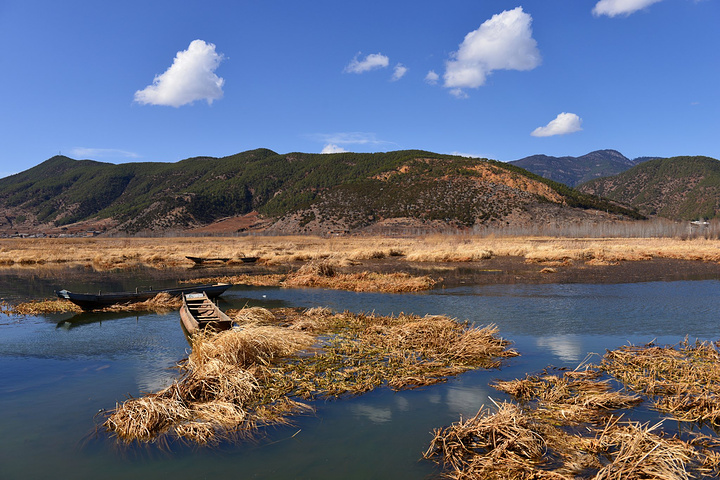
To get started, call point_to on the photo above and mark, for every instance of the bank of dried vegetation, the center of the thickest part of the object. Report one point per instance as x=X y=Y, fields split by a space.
x=124 y=253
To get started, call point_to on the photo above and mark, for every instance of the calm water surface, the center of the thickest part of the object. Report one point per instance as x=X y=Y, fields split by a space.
x=59 y=371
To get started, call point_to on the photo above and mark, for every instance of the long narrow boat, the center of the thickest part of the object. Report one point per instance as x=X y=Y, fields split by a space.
x=198 y=312
x=94 y=301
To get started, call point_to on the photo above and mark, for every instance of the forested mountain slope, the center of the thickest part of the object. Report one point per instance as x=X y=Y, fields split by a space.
x=295 y=192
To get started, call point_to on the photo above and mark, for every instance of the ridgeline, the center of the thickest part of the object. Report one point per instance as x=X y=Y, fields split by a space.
x=290 y=193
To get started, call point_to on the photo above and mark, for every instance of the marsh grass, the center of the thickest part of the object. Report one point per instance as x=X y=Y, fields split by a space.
x=123 y=253
x=260 y=373
x=327 y=274
x=160 y=303
x=566 y=427
x=683 y=380
x=39 y=307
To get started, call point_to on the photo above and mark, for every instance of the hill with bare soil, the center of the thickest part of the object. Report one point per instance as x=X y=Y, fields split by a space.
x=288 y=193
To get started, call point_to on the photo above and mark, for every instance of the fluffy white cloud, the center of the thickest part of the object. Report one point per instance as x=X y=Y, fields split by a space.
x=502 y=43
x=432 y=77
x=562 y=124
x=191 y=77
x=398 y=72
x=612 y=8
x=332 y=148
x=370 y=62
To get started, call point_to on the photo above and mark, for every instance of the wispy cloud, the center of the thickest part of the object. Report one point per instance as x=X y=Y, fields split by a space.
x=432 y=77
x=372 y=61
x=612 y=8
x=503 y=42
x=398 y=72
x=86 y=152
x=563 y=124
x=342 y=141
x=191 y=77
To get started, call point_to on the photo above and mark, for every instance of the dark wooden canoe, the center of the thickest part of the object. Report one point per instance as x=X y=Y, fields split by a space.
x=198 y=313
x=94 y=301
x=201 y=260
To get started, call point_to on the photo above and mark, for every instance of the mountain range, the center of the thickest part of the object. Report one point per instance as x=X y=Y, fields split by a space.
x=261 y=190
x=573 y=171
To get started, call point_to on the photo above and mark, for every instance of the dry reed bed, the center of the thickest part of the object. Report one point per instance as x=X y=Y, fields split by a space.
x=244 y=378
x=326 y=274
x=160 y=303
x=682 y=380
x=113 y=253
x=566 y=424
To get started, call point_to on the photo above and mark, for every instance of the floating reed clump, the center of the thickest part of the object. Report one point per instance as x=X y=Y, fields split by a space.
x=362 y=352
x=162 y=303
x=570 y=398
x=220 y=393
x=325 y=275
x=683 y=380
x=237 y=380
x=40 y=307
x=566 y=429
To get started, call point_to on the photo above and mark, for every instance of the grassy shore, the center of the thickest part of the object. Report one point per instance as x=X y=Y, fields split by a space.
x=114 y=253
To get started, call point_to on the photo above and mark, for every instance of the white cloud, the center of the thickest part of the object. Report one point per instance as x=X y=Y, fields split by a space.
x=371 y=62
x=432 y=77
x=612 y=8
x=332 y=148
x=466 y=155
x=101 y=153
x=191 y=77
x=398 y=72
x=563 y=124
x=502 y=43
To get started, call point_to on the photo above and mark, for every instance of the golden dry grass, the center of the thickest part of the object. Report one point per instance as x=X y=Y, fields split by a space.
x=565 y=427
x=115 y=253
x=237 y=380
x=683 y=379
x=326 y=274
x=160 y=303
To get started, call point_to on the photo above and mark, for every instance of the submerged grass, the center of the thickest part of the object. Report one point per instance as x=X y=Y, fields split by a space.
x=236 y=381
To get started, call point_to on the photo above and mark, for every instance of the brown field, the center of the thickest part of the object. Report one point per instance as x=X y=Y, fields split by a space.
x=113 y=253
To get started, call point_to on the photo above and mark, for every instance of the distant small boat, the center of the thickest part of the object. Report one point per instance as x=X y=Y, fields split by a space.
x=201 y=260
x=91 y=301
x=198 y=312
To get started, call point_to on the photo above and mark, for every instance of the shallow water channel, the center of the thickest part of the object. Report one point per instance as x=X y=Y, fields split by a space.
x=59 y=371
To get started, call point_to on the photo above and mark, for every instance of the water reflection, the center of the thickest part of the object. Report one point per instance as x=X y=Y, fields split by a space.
x=566 y=347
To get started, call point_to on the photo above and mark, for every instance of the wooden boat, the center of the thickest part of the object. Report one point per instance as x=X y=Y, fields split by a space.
x=198 y=312
x=91 y=301
x=201 y=260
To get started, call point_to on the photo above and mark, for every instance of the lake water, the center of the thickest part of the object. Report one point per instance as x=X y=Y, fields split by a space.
x=59 y=371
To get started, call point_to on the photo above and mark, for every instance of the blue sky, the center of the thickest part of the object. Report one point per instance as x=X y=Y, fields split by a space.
x=162 y=81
